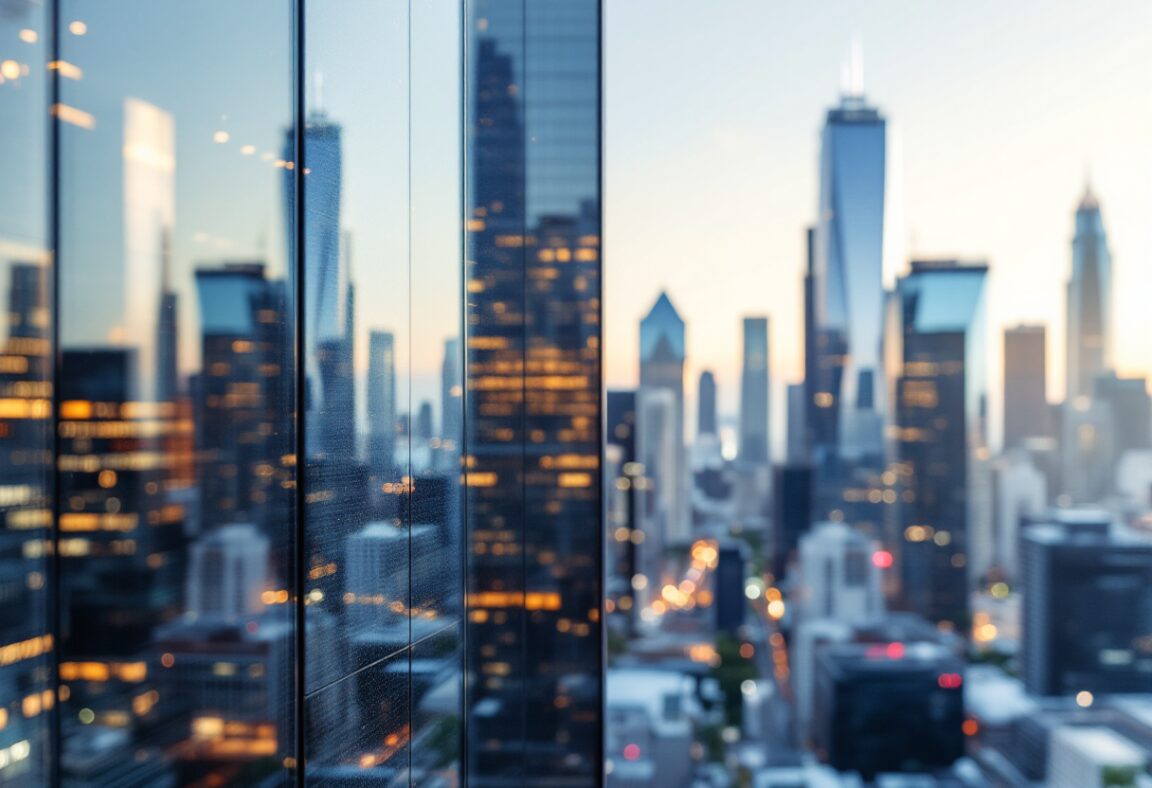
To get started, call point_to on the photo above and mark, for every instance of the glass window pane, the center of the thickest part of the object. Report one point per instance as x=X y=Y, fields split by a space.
x=26 y=639
x=177 y=393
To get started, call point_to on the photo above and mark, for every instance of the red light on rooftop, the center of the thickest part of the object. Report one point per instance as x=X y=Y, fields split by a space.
x=631 y=752
x=894 y=651
x=882 y=559
x=949 y=681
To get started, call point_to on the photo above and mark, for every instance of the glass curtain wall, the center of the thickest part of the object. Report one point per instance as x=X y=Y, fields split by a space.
x=231 y=402
x=533 y=407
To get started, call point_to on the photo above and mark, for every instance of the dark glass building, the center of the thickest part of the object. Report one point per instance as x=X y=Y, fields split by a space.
x=888 y=707
x=533 y=398
x=1087 y=605
x=940 y=394
x=235 y=541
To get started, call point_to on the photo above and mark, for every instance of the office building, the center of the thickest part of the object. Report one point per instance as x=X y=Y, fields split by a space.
x=840 y=575
x=706 y=402
x=382 y=403
x=533 y=408
x=941 y=400
x=1087 y=597
x=1026 y=413
x=728 y=594
x=793 y=510
x=754 y=401
x=888 y=707
x=227 y=573
x=1019 y=492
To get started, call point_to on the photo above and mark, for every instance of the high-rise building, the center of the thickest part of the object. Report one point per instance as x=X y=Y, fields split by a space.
x=1089 y=316
x=1087 y=454
x=451 y=396
x=238 y=405
x=630 y=491
x=227 y=572
x=149 y=216
x=754 y=402
x=381 y=402
x=706 y=402
x=656 y=451
x=1131 y=411
x=533 y=422
x=888 y=707
x=728 y=598
x=940 y=394
x=328 y=290
x=1026 y=413
x=847 y=287
x=797 y=437
x=1019 y=490
x=1087 y=585
x=839 y=575
x=662 y=355
x=793 y=509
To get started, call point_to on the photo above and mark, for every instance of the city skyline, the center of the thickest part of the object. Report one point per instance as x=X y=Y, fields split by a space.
x=745 y=195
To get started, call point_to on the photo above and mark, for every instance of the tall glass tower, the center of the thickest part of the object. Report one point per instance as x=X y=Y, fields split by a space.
x=662 y=354
x=941 y=396
x=1089 y=300
x=848 y=295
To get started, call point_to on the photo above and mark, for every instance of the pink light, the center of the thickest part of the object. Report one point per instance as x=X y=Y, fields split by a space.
x=949 y=680
x=882 y=559
x=631 y=751
x=894 y=651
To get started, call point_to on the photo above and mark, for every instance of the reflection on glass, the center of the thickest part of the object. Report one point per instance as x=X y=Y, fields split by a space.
x=533 y=354
x=26 y=639
x=382 y=302
x=176 y=483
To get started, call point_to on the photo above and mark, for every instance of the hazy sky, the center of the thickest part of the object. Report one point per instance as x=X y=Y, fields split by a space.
x=996 y=113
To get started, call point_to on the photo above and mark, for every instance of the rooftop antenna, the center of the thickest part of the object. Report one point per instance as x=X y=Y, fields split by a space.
x=852 y=71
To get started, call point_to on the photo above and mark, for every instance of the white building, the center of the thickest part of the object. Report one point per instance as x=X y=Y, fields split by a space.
x=1092 y=757
x=227 y=572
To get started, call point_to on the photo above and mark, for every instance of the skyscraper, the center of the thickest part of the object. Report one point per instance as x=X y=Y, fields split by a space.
x=847 y=286
x=381 y=401
x=329 y=390
x=940 y=404
x=533 y=406
x=1089 y=323
x=1026 y=413
x=706 y=402
x=227 y=571
x=662 y=355
x=754 y=444
x=149 y=216
x=1087 y=605
x=241 y=453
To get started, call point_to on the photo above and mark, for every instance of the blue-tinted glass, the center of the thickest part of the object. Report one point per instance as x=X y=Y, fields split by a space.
x=26 y=633
x=356 y=258
x=176 y=440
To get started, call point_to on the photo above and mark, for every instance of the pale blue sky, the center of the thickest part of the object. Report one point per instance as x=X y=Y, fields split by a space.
x=712 y=117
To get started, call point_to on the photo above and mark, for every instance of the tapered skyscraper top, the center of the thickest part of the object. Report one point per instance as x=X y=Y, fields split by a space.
x=1089 y=299
x=848 y=292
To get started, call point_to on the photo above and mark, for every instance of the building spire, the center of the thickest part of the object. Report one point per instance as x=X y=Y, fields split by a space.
x=852 y=71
